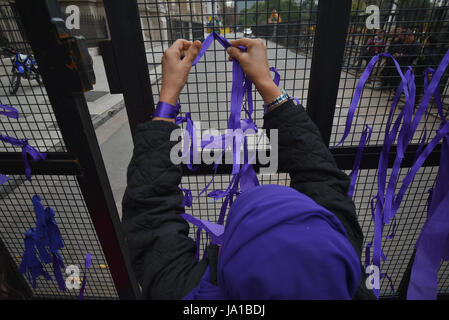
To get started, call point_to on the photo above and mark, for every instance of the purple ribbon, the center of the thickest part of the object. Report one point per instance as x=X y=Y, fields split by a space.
x=243 y=174
x=46 y=234
x=404 y=138
x=388 y=141
x=9 y=111
x=57 y=264
x=30 y=265
x=208 y=41
x=393 y=232
x=366 y=135
x=40 y=233
x=431 y=89
x=384 y=275
x=387 y=203
x=241 y=85
x=392 y=202
x=277 y=76
x=87 y=264
x=3 y=179
x=166 y=110
x=359 y=89
x=433 y=243
x=26 y=149
x=213 y=229
x=188 y=199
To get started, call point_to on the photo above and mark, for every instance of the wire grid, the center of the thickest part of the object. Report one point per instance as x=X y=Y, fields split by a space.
x=409 y=220
x=207 y=208
x=207 y=93
x=423 y=19
x=63 y=194
x=209 y=86
x=208 y=90
x=36 y=118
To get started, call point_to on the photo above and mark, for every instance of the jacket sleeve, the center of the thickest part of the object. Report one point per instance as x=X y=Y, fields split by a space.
x=311 y=166
x=161 y=252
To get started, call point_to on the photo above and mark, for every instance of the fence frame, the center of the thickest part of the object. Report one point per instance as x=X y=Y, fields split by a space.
x=128 y=51
x=327 y=60
x=83 y=157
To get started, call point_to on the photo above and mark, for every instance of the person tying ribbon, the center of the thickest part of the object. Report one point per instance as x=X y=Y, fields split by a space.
x=278 y=242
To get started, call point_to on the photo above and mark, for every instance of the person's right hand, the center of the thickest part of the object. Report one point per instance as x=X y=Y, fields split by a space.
x=254 y=63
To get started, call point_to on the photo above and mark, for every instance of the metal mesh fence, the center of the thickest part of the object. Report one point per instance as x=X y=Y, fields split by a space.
x=406 y=226
x=416 y=33
x=37 y=122
x=63 y=194
x=207 y=93
x=289 y=43
x=288 y=33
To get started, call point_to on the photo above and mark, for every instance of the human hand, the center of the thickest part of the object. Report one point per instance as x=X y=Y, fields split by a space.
x=176 y=64
x=254 y=63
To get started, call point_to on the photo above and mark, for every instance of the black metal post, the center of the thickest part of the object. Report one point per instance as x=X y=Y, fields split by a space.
x=72 y=114
x=328 y=49
x=344 y=157
x=55 y=164
x=132 y=66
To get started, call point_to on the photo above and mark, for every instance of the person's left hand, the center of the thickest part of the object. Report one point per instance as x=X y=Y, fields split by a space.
x=176 y=64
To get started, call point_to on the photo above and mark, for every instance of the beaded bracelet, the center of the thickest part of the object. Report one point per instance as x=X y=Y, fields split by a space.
x=279 y=99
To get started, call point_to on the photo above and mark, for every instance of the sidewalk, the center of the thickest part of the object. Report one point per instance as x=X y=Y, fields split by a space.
x=102 y=104
x=114 y=138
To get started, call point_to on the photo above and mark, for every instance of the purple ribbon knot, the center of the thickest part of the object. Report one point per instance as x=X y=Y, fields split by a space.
x=26 y=149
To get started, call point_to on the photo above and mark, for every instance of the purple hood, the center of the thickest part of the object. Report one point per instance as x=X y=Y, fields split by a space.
x=280 y=244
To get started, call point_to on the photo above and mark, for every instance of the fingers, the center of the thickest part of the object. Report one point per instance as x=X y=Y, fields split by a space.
x=240 y=42
x=234 y=53
x=250 y=44
x=181 y=44
x=178 y=47
x=193 y=51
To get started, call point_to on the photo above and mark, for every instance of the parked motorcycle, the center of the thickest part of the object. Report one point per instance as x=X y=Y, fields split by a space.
x=23 y=66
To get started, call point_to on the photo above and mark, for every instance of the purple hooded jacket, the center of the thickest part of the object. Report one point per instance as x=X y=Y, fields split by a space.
x=280 y=244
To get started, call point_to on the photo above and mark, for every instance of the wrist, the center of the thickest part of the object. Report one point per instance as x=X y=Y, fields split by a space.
x=169 y=96
x=163 y=119
x=166 y=111
x=268 y=90
x=279 y=100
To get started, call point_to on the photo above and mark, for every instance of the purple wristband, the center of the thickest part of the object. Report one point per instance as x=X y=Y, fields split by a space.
x=166 y=110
